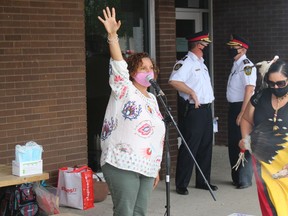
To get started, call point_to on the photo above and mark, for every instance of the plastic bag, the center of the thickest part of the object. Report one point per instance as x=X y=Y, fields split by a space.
x=75 y=187
x=47 y=201
x=31 y=151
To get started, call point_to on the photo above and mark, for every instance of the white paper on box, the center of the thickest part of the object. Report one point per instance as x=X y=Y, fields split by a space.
x=27 y=168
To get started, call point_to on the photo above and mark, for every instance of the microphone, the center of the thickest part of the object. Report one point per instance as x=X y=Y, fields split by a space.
x=155 y=85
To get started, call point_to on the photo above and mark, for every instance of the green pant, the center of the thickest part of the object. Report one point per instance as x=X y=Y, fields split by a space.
x=130 y=191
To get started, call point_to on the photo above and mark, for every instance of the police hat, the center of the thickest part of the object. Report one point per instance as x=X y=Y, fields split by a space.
x=199 y=36
x=236 y=40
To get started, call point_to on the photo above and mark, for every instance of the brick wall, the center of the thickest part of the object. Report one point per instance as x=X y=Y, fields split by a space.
x=42 y=80
x=166 y=56
x=264 y=25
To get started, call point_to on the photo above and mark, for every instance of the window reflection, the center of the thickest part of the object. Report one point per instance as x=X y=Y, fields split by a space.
x=133 y=31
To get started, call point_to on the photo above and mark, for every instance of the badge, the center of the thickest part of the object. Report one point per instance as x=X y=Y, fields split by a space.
x=248 y=70
x=177 y=66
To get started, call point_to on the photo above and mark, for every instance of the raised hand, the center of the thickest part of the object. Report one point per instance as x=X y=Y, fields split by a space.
x=112 y=26
x=109 y=21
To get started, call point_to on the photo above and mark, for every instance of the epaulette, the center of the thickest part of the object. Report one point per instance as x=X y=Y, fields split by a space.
x=246 y=61
x=185 y=57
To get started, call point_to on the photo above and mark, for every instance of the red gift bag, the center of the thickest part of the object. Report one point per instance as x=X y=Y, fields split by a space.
x=75 y=187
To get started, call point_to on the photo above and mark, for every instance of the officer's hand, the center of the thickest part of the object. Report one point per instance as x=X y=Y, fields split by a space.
x=194 y=97
x=197 y=105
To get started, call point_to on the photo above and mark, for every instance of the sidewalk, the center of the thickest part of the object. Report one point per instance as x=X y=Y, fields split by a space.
x=199 y=202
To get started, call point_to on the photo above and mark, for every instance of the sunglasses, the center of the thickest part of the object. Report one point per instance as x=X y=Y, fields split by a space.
x=204 y=43
x=280 y=84
x=236 y=48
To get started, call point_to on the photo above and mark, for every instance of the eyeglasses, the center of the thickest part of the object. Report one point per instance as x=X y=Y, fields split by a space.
x=280 y=84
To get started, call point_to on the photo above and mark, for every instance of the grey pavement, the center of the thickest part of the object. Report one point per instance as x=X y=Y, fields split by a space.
x=229 y=201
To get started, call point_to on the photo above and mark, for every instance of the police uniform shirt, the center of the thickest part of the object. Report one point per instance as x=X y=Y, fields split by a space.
x=242 y=74
x=193 y=72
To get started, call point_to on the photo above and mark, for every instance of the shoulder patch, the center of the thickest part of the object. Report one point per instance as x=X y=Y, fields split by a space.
x=177 y=66
x=248 y=70
x=246 y=61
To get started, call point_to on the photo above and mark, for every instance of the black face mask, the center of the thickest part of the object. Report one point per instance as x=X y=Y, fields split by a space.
x=233 y=52
x=205 y=50
x=279 y=92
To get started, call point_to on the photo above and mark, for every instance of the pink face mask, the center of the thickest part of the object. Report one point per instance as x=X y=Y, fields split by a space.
x=141 y=78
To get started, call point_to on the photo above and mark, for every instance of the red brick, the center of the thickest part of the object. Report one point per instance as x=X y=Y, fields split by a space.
x=40 y=42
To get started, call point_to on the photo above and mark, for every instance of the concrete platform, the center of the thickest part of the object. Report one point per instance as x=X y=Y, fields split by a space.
x=229 y=201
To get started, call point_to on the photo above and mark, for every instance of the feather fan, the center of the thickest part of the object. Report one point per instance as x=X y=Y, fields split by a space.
x=265 y=142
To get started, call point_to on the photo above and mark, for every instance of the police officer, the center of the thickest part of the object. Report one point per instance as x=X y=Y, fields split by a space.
x=190 y=77
x=240 y=88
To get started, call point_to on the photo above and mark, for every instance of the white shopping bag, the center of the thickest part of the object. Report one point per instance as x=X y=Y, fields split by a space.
x=75 y=187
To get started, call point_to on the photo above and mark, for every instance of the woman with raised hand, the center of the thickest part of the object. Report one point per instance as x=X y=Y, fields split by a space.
x=133 y=130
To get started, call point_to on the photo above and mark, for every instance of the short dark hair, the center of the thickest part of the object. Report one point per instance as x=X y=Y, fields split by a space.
x=192 y=44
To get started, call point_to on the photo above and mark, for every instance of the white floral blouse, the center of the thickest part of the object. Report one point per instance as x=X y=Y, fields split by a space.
x=133 y=130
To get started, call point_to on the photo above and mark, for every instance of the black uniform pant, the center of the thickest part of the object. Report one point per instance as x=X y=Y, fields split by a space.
x=197 y=129
x=243 y=175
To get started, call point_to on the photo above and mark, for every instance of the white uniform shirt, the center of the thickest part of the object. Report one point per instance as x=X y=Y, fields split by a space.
x=239 y=79
x=133 y=131
x=193 y=72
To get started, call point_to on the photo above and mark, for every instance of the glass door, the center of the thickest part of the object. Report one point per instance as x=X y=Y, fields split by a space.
x=188 y=21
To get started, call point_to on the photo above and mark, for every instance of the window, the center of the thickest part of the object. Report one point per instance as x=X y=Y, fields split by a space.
x=201 y=4
x=133 y=33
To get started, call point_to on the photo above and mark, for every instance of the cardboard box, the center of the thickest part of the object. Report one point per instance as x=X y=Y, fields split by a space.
x=27 y=168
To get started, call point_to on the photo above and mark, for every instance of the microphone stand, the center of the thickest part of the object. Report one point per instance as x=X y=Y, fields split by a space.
x=169 y=119
x=168 y=165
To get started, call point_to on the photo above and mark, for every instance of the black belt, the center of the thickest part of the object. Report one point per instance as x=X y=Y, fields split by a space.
x=235 y=103
x=192 y=106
